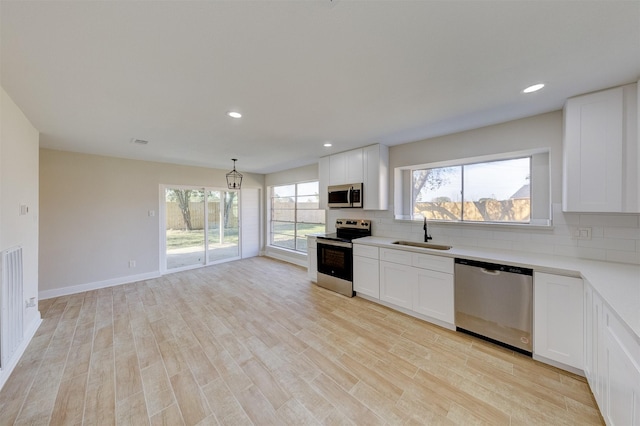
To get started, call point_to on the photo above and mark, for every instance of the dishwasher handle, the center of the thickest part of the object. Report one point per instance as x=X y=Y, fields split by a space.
x=490 y=271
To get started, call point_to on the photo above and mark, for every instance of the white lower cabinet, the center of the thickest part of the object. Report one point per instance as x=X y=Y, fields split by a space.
x=592 y=333
x=366 y=273
x=312 y=258
x=434 y=295
x=396 y=282
x=405 y=281
x=621 y=373
x=612 y=362
x=558 y=319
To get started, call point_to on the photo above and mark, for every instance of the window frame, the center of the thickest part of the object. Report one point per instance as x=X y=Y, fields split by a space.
x=464 y=199
x=540 y=186
x=296 y=209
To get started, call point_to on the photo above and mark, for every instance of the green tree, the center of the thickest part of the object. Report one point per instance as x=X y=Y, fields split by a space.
x=182 y=197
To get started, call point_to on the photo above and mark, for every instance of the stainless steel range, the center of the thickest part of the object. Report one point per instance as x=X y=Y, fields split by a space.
x=335 y=255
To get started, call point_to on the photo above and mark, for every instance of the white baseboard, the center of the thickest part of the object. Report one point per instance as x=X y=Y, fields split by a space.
x=65 y=291
x=287 y=256
x=559 y=365
x=31 y=331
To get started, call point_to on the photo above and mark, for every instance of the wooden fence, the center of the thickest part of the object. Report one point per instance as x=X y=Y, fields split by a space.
x=176 y=221
x=512 y=210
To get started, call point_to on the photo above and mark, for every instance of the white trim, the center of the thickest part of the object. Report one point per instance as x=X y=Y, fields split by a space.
x=64 y=291
x=31 y=331
x=297 y=258
x=163 y=225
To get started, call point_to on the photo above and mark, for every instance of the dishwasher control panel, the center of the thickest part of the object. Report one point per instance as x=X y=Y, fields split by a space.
x=495 y=267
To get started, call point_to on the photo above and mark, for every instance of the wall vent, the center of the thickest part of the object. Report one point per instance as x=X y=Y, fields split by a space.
x=12 y=306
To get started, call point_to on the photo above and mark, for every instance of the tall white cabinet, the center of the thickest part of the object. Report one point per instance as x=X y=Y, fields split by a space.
x=601 y=158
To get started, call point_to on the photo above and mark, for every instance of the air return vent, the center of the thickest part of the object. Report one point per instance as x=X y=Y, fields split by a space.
x=11 y=329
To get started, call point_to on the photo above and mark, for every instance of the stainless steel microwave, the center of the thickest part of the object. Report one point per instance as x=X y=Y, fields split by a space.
x=345 y=196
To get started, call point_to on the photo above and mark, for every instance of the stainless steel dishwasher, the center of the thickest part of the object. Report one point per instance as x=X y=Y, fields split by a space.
x=495 y=302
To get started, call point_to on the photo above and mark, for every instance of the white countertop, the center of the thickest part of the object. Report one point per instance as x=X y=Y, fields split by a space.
x=617 y=283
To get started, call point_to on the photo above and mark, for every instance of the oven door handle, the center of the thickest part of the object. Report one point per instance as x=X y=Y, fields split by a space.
x=322 y=241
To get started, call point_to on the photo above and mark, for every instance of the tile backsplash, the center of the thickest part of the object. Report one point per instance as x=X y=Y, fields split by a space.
x=609 y=237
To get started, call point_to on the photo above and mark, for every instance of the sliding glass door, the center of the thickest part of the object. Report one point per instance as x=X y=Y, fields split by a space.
x=223 y=225
x=187 y=211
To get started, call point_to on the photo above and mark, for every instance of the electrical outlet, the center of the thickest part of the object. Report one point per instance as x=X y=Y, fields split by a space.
x=583 y=233
x=132 y=264
x=31 y=303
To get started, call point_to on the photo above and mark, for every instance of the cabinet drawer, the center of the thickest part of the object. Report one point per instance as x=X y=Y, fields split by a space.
x=365 y=251
x=396 y=256
x=435 y=263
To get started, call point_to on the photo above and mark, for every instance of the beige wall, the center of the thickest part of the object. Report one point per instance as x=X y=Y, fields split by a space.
x=19 y=186
x=540 y=131
x=299 y=174
x=95 y=216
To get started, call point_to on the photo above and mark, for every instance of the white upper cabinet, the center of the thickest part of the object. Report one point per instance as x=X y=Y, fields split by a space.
x=600 y=152
x=346 y=167
x=323 y=180
x=368 y=165
x=376 y=177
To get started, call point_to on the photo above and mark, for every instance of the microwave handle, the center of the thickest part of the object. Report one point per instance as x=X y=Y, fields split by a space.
x=349 y=195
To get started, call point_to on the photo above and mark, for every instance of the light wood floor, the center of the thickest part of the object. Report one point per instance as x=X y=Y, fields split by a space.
x=254 y=342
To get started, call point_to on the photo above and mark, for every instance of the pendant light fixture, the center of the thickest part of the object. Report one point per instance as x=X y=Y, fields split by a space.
x=234 y=178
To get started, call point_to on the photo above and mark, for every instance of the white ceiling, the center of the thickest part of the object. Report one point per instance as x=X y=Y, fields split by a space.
x=93 y=75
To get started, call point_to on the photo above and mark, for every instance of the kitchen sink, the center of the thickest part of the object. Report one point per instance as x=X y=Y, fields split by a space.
x=422 y=245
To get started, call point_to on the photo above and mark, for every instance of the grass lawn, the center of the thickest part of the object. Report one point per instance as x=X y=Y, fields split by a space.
x=180 y=238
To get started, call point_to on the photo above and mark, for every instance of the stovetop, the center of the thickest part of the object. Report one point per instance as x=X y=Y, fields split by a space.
x=349 y=229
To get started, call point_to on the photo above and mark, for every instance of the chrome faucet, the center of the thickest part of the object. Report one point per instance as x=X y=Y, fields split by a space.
x=427 y=237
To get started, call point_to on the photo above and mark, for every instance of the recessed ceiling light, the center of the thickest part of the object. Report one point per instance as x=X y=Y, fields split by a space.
x=328 y=144
x=234 y=114
x=533 y=88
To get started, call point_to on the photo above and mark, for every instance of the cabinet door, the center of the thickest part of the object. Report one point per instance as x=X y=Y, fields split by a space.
x=354 y=166
x=593 y=141
x=434 y=295
x=366 y=276
x=622 y=386
x=338 y=169
x=396 y=282
x=312 y=259
x=590 y=338
x=558 y=319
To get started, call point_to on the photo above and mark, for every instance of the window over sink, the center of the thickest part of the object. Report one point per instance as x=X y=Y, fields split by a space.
x=508 y=189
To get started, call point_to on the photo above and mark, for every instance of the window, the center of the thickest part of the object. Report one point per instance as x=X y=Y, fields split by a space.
x=493 y=191
x=295 y=213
